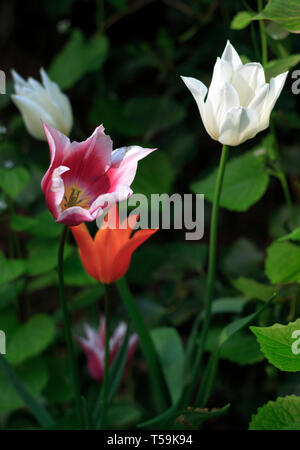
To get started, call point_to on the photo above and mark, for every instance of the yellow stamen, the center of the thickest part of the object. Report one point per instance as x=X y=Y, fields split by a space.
x=74 y=197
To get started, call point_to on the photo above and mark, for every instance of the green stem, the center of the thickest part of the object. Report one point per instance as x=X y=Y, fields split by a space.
x=263 y=37
x=39 y=412
x=155 y=372
x=67 y=325
x=287 y=196
x=106 y=361
x=211 y=274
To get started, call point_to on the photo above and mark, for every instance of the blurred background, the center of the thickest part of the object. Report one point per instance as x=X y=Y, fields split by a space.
x=120 y=62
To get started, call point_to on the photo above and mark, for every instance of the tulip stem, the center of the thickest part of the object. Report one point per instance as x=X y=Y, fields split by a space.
x=148 y=348
x=67 y=325
x=263 y=37
x=106 y=361
x=210 y=275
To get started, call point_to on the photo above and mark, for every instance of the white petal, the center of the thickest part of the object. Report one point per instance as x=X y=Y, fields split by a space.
x=275 y=88
x=239 y=125
x=33 y=114
x=231 y=55
x=258 y=101
x=228 y=98
x=247 y=80
x=222 y=74
x=61 y=100
x=199 y=91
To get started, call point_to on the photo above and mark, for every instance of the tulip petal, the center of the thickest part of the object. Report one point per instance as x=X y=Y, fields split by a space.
x=61 y=100
x=230 y=55
x=275 y=88
x=86 y=249
x=238 y=125
x=199 y=91
x=32 y=114
x=123 y=258
x=247 y=80
x=228 y=98
x=222 y=74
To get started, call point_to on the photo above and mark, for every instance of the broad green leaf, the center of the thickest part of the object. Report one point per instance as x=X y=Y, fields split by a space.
x=77 y=58
x=281 y=345
x=9 y=292
x=283 y=414
x=171 y=354
x=245 y=182
x=10 y=269
x=13 y=180
x=153 y=114
x=252 y=289
x=293 y=236
x=31 y=339
x=241 y=20
x=286 y=13
x=283 y=262
x=33 y=374
x=242 y=259
x=278 y=66
x=42 y=225
x=241 y=348
x=155 y=175
x=42 y=255
x=227 y=333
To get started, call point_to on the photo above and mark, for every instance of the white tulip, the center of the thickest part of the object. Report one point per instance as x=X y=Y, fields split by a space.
x=239 y=101
x=39 y=102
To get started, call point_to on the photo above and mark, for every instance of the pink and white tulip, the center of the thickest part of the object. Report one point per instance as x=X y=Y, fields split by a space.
x=94 y=347
x=85 y=178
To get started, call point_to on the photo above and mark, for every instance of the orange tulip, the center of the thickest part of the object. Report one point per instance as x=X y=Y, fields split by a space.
x=107 y=257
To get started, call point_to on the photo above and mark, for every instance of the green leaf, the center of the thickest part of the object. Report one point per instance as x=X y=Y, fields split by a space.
x=245 y=182
x=31 y=339
x=42 y=225
x=241 y=20
x=170 y=352
x=283 y=414
x=33 y=374
x=252 y=289
x=283 y=262
x=227 y=332
x=155 y=175
x=280 y=345
x=293 y=236
x=241 y=348
x=10 y=269
x=153 y=114
x=42 y=255
x=286 y=13
x=77 y=58
x=243 y=258
x=278 y=66
x=13 y=180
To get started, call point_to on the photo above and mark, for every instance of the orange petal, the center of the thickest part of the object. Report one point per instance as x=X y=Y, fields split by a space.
x=86 y=248
x=122 y=261
x=107 y=244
